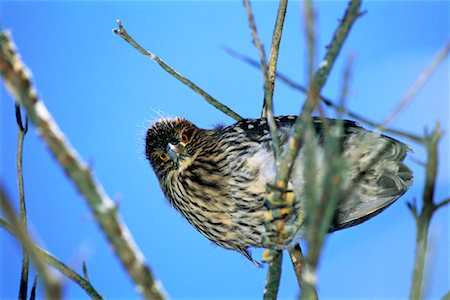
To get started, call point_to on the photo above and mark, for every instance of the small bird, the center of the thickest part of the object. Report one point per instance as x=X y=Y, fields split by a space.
x=217 y=178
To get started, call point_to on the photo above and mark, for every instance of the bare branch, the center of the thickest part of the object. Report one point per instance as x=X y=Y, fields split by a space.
x=269 y=83
x=298 y=262
x=443 y=203
x=18 y=81
x=273 y=276
x=214 y=102
x=51 y=284
x=412 y=206
x=256 y=41
x=33 y=289
x=431 y=141
x=23 y=289
x=351 y=14
x=340 y=35
x=269 y=71
x=346 y=79
x=326 y=101
x=418 y=84
x=85 y=272
x=50 y=260
x=274 y=272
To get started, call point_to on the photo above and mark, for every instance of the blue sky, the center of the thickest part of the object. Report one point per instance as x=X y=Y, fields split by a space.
x=103 y=94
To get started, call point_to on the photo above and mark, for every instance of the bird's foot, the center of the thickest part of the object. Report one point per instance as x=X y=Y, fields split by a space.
x=281 y=203
x=269 y=255
x=280 y=197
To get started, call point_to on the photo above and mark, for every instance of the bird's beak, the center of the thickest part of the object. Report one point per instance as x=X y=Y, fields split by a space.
x=173 y=151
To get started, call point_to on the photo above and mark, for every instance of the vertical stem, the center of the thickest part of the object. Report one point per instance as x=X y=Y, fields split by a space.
x=428 y=208
x=419 y=263
x=22 y=130
x=273 y=277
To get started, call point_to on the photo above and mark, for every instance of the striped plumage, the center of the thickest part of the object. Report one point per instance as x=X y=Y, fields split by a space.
x=217 y=178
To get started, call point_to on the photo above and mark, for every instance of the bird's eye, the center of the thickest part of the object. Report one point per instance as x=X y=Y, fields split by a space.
x=184 y=138
x=163 y=156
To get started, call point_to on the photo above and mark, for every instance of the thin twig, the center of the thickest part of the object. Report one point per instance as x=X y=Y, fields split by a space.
x=340 y=35
x=298 y=263
x=51 y=284
x=270 y=78
x=274 y=272
x=350 y=16
x=18 y=81
x=325 y=100
x=268 y=71
x=274 y=49
x=418 y=84
x=23 y=289
x=50 y=260
x=442 y=203
x=33 y=289
x=273 y=277
x=312 y=185
x=211 y=100
x=310 y=28
x=257 y=42
x=423 y=219
x=85 y=272
x=346 y=82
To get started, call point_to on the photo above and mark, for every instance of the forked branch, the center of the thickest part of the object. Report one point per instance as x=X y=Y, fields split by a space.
x=210 y=99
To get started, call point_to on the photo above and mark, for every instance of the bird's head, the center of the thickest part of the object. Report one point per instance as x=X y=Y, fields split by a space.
x=171 y=144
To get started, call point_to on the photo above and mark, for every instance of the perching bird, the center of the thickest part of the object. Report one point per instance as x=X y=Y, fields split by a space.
x=217 y=179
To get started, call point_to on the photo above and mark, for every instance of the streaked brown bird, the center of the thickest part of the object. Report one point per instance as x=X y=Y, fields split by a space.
x=217 y=179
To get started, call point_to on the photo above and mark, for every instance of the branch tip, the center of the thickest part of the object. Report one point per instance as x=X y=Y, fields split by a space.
x=121 y=29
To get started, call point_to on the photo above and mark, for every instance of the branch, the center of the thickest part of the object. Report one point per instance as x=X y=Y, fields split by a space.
x=319 y=78
x=269 y=82
x=325 y=100
x=428 y=209
x=340 y=35
x=23 y=289
x=18 y=82
x=345 y=87
x=223 y=108
x=443 y=203
x=298 y=262
x=274 y=272
x=51 y=284
x=418 y=84
x=33 y=289
x=50 y=260
x=351 y=14
x=270 y=70
x=273 y=276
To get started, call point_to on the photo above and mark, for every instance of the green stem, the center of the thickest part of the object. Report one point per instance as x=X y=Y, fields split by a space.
x=428 y=208
x=273 y=277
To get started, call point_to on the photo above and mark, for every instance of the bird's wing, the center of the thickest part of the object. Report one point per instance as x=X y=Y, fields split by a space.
x=373 y=195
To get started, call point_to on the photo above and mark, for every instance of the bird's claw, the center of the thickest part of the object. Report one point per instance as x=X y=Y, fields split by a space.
x=281 y=204
x=278 y=197
x=278 y=235
x=268 y=255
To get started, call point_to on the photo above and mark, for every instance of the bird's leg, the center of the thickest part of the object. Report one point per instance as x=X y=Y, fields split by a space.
x=279 y=234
